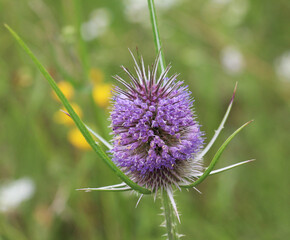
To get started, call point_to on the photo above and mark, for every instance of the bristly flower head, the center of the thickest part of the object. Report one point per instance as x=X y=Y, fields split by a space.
x=156 y=136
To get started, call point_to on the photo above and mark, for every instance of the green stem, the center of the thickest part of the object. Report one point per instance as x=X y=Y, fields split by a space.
x=82 y=45
x=167 y=207
x=157 y=41
x=169 y=217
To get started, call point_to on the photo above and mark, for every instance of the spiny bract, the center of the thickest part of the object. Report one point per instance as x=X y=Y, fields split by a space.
x=156 y=136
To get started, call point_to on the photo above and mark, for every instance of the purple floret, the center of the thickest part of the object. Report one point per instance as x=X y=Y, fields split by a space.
x=154 y=127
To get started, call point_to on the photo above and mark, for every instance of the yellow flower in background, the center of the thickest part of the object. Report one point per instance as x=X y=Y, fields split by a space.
x=62 y=118
x=102 y=94
x=74 y=135
x=76 y=138
x=66 y=88
x=101 y=91
x=96 y=76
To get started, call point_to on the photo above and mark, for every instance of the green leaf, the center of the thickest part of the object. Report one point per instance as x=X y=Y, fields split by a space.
x=215 y=158
x=76 y=118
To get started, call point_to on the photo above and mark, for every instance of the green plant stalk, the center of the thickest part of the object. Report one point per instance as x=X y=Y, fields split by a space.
x=76 y=118
x=169 y=217
x=168 y=211
x=81 y=43
x=156 y=36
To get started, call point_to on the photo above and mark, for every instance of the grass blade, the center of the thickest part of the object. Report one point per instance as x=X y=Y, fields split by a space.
x=76 y=118
x=215 y=158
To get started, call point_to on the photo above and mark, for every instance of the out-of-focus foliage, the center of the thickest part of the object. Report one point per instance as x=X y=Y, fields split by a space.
x=213 y=44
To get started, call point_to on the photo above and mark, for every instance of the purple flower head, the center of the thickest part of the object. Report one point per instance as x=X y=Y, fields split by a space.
x=156 y=135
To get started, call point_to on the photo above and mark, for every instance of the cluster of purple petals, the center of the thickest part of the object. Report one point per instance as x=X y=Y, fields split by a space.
x=154 y=132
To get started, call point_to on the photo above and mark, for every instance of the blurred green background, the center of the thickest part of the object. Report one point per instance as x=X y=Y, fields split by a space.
x=213 y=44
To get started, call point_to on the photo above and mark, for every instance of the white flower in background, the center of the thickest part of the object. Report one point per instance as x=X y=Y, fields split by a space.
x=166 y=4
x=236 y=12
x=97 y=25
x=232 y=60
x=13 y=193
x=282 y=66
x=136 y=10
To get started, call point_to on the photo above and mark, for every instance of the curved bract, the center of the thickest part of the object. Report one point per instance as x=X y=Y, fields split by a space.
x=215 y=159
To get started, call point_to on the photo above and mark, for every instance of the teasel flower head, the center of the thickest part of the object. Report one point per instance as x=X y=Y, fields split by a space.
x=157 y=140
x=156 y=134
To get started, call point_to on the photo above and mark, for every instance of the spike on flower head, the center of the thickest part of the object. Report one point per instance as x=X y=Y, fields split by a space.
x=156 y=136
